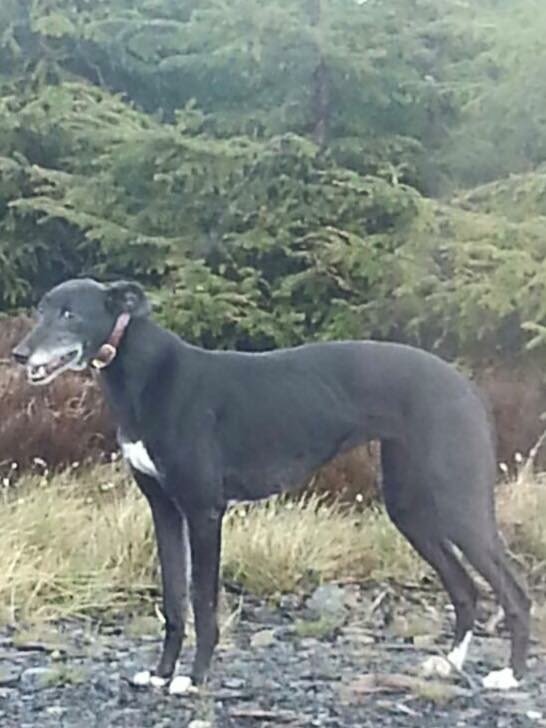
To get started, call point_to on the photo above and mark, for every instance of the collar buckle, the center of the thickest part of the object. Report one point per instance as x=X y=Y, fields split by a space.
x=108 y=351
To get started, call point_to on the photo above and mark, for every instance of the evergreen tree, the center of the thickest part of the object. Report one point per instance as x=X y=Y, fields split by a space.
x=267 y=166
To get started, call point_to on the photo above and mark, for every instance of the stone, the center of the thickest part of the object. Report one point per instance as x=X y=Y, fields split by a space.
x=233 y=683
x=56 y=710
x=263 y=638
x=290 y=602
x=327 y=600
x=357 y=636
x=424 y=641
x=38 y=678
x=9 y=676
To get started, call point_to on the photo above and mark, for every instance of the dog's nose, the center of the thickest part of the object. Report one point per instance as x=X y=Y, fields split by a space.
x=20 y=354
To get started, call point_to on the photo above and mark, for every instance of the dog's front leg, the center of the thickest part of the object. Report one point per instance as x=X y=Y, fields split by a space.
x=170 y=527
x=205 y=526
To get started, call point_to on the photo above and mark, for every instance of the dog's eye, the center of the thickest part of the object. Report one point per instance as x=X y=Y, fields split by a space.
x=67 y=314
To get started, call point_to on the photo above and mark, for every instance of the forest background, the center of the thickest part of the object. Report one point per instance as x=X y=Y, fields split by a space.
x=289 y=171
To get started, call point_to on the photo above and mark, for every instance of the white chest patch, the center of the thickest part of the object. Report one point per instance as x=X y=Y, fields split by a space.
x=138 y=458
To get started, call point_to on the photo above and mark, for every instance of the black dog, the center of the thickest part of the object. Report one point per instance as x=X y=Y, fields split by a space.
x=203 y=428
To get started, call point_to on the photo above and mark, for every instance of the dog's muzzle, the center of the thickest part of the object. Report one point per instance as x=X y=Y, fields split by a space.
x=42 y=368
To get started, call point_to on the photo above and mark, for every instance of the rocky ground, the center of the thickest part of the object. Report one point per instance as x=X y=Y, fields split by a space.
x=347 y=656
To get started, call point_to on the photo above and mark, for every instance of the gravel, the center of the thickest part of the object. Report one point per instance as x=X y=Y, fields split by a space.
x=362 y=672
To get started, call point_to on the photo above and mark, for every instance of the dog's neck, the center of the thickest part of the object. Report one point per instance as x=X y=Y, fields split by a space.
x=134 y=350
x=141 y=360
x=108 y=351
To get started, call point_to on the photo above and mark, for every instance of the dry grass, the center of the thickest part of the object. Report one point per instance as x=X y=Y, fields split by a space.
x=521 y=510
x=282 y=544
x=82 y=543
x=74 y=545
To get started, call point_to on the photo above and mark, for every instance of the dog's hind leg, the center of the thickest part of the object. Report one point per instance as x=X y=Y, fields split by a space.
x=463 y=595
x=451 y=502
x=409 y=510
x=491 y=562
x=171 y=535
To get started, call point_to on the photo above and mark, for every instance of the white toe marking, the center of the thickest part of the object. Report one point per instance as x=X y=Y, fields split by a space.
x=457 y=656
x=436 y=666
x=142 y=678
x=181 y=685
x=157 y=682
x=501 y=680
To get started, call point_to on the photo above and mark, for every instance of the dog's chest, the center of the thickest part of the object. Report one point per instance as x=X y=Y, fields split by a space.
x=138 y=457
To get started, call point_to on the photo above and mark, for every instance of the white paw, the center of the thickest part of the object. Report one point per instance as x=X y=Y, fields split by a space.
x=436 y=666
x=500 y=680
x=142 y=678
x=157 y=682
x=181 y=685
x=145 y=677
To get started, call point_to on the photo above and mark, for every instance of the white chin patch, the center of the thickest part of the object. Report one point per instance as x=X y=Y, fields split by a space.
x=501 y=680
x=39 y=376
x=182 y=685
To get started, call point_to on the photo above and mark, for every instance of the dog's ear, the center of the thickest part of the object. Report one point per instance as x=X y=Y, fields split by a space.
x=127 y=297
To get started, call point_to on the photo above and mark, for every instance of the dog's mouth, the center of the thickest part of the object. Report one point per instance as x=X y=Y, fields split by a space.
x=45 y=372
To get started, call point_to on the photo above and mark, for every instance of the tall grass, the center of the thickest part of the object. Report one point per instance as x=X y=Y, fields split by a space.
x=73 y=545
x=521 y=508
x=82 y=542
x=281 y=544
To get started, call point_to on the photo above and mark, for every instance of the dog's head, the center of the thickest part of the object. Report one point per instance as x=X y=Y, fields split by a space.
x=74 y=320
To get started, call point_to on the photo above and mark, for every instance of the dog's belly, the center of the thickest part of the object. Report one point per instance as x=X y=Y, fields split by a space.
x=138 y=458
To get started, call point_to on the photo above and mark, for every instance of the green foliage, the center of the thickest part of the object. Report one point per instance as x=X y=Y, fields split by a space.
x=518 y=197
x=481 y=277
x=502 y=127
x=263 y=166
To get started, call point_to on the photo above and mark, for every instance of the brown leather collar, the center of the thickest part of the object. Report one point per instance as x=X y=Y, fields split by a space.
x=107 y=353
